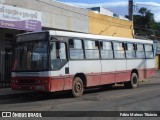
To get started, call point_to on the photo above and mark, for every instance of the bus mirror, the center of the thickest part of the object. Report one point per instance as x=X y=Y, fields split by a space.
x=57 y=45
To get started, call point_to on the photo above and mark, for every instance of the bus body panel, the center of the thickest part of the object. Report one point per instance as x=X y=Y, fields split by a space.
x=145 y=67
x=114 y=71
x=97 y=72
x=91 y=68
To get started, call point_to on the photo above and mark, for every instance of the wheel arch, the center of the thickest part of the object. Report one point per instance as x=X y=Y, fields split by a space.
x=83 y=77
x=135 y=71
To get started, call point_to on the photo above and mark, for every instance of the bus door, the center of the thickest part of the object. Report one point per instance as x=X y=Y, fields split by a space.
x=59 y=66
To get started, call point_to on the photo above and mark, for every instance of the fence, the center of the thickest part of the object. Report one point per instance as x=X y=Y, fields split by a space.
x=5 y=69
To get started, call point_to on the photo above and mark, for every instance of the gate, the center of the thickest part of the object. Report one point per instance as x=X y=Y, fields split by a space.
x=5 y=69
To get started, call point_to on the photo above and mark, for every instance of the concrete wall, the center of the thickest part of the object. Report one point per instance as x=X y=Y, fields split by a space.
x=106 y=25
x=56 y=15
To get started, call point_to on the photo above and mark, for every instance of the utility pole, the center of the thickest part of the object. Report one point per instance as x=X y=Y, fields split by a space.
x=130 y=10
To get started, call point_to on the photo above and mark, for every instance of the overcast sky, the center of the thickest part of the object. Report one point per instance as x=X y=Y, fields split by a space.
x=119 y=6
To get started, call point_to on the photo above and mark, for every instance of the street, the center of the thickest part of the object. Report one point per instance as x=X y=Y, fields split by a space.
x=118 y=98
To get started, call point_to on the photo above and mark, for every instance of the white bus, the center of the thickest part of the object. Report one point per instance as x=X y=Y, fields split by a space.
x=56 y=61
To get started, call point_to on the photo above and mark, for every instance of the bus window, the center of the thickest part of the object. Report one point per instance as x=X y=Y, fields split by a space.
x=130 y=52
x=76 y=49
x=53 y=51
x=149 y=51
x=31 y=56
x=58 y=56
x=62 y=51
x=106 y=50
x=91 y=49
x=140 y=51
x=118 y=50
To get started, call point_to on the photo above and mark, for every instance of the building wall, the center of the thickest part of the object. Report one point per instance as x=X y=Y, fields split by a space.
x=106 y=25
x=56 y=15
x=157 y=61
x=3 y=39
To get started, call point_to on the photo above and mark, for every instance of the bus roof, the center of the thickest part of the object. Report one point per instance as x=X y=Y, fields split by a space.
x=99 y=37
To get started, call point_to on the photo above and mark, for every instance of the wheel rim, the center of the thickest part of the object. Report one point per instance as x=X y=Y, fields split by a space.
x=135 y=80
x=78 y=87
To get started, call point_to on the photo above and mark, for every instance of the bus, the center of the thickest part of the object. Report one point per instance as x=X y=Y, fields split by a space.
x=52 y=61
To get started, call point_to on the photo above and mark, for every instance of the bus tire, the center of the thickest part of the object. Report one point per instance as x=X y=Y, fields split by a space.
x=133 y=83
x=77 y=87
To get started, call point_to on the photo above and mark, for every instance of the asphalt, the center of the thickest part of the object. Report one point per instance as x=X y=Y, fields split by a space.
x=144 y=98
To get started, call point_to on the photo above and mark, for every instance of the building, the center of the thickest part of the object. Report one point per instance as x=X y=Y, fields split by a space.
x=105 y=22
x=157 y=54
x=19 y=16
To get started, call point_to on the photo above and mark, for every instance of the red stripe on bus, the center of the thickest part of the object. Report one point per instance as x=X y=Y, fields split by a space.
x=59 y=83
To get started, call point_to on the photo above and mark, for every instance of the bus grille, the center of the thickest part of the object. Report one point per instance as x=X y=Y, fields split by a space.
x=26 y=82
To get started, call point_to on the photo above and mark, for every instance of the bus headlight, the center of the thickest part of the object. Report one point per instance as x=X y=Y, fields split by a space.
x=14 y=81
x=39 y=81
x=45 y=81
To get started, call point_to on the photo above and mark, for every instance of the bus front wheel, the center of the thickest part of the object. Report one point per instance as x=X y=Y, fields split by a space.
x=77 y=87
x=133 y=83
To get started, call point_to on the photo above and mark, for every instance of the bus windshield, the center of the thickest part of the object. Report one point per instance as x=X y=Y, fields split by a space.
x=31 y=56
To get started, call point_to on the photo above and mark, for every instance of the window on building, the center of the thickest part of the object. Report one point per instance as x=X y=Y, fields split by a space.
x=91 y=49
x=106 y=50
x=119 y=50
x=140 y=51
x=76 y=49
x=130 y=52
x=149 y=51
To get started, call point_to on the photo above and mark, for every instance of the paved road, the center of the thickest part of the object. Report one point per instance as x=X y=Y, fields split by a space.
x=144 y=98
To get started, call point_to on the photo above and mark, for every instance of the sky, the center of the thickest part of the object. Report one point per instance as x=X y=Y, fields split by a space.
x=119 y=7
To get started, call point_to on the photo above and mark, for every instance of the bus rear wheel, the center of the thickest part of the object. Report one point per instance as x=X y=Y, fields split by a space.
x=77 y=87
x=133 y=83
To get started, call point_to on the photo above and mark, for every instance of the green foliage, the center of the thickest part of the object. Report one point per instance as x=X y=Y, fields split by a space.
x=145 y=24
x=145 y=18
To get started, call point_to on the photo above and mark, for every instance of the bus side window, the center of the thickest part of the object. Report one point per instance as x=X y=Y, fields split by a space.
x=119 y=51
x=58 y=56
x=149 y=51
x=76 y=49
x=140 y=51
x=130 y=52
x=106 y=50
x=53 y=51
x=91 y=49
x=62 y=51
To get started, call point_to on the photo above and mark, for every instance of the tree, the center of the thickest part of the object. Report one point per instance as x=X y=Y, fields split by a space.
x=145 y=24
x=144 y=18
